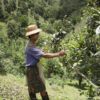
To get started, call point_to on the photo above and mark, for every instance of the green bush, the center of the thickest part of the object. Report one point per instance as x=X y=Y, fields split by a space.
x=54 y=66
x=23 y=20
x=14 y=29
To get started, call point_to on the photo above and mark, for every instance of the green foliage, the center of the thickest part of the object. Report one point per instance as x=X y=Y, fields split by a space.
x=81 y=49
x=14 y=29
x=11 y=6
x=23 y=21
x=76 y=19
x=39 y=8
x=55 y=79
x=51 y=12
x=69 y=6
x=13 y=59
x=46 y=9
x=54 y=66
x=64 y=24
x=1 y=13
x=18 y=56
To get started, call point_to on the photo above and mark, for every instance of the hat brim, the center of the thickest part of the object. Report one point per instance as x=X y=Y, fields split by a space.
x=33 y=32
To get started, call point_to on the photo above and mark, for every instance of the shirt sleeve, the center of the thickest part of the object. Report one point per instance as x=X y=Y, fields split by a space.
x=36 y=53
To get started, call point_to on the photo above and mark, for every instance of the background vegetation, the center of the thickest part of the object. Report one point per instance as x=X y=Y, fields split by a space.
x=66 y=24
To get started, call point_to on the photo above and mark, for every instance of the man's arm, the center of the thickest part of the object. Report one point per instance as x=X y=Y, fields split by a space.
x=52 y=55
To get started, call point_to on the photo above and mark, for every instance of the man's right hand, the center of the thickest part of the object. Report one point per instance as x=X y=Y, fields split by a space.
x=62 y=53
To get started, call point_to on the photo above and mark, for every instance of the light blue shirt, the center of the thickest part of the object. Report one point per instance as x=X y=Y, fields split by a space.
x=32 y=54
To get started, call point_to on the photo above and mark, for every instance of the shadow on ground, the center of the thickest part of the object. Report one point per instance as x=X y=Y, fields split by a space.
x=2 y=71
x=83 y=87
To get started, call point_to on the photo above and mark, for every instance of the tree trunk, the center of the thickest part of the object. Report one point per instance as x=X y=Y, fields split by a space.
x=80 y=81
x=49 y=74
x=89 y=81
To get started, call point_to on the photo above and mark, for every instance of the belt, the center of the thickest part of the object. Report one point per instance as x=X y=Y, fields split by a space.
x=31 y=66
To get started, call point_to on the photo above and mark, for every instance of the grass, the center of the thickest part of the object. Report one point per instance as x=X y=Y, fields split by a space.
x=3 y=29
x=13 y=88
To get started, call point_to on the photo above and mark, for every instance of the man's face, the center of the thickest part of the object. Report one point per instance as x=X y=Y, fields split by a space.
x=35 y=36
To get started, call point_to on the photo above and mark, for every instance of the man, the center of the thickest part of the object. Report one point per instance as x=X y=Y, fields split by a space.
x=34 y=80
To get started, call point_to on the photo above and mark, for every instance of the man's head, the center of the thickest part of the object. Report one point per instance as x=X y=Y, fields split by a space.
x=33 y=32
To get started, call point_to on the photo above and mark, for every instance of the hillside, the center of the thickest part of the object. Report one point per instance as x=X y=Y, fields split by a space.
x=68 y=25
x=13 y=88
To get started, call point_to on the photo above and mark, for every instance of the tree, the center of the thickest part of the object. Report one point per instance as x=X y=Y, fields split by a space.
x=13 y=29
x=11 y=6
x=69 y=6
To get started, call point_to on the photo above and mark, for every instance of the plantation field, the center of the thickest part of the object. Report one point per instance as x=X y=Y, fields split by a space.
x=69 y=25
x=13 y=88
x=3 y=29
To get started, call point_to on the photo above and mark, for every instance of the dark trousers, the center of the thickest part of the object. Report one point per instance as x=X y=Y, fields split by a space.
x=33 y=96
x=46 y=97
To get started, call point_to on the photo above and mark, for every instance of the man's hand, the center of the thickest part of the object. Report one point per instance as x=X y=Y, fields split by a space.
x=43 y=49
x=62 y=53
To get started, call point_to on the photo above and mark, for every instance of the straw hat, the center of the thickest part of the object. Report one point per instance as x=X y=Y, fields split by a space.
x=32 y=29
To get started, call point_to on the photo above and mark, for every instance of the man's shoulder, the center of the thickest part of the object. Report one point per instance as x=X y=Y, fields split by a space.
x=30 y=47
